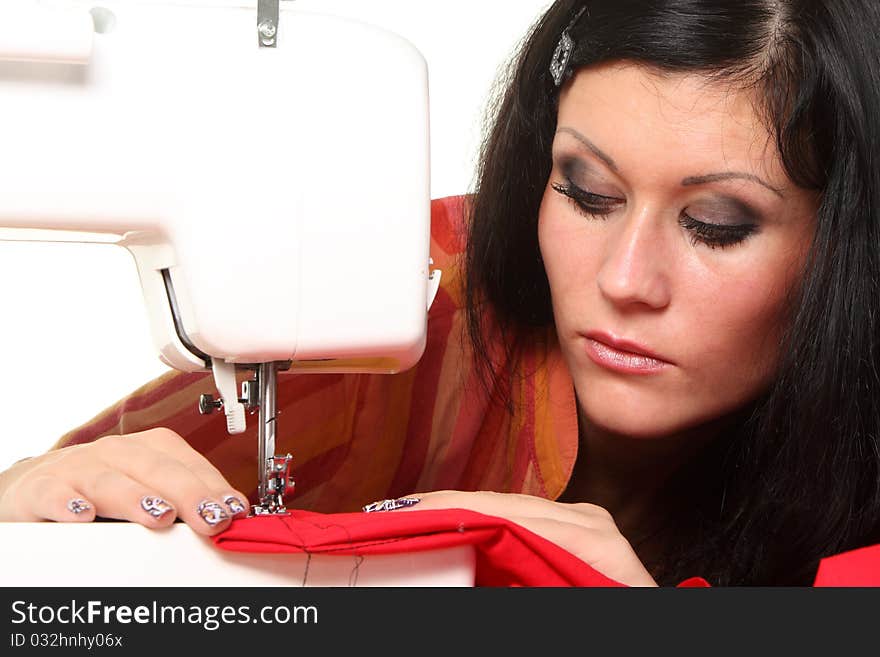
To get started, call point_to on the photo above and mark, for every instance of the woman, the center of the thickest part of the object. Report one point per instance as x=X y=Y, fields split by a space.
x=669 y=291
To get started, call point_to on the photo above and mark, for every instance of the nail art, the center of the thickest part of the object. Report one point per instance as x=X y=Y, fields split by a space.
x=212 y=513
x=78 y=505
x=235 y=505
x=391 y=505
x=155 y=506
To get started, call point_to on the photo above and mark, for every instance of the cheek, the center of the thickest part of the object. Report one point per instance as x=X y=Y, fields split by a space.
x=548 y=242
x=567 y=255
x=738 y=341
x=750 y=310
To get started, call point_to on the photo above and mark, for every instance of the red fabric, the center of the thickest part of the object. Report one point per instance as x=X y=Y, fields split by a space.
x=859 y=567
x=694 y=583
x=856 y=568
x=507 y=554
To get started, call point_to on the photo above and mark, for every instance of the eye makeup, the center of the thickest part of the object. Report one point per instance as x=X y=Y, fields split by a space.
x=580 y=173
x=574 y=169
x=587 y=202
x=715 y=235
x=710 y=233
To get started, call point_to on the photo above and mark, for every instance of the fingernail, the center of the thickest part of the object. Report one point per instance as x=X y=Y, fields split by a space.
x=78 y=505
x=212 y=513
x=391 y=505
x=155 y=506
x=235 y=504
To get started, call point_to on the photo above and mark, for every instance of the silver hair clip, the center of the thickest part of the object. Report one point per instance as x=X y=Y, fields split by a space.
x=559 y=61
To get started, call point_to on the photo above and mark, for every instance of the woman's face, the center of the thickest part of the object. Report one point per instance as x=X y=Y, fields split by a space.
x=668 y=222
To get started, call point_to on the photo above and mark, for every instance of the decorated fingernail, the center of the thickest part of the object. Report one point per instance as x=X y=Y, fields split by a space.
x=391 y=505
x=78 y=505
x=235 y=505
x=155 y=506
x=212 y=513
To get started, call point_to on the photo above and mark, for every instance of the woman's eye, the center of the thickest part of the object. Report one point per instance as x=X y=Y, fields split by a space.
x=587 y=202
x=712 y=235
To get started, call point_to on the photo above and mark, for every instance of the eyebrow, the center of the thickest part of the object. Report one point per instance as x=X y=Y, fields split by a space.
x=727 y=175
x=690 y=180
x=592 y=147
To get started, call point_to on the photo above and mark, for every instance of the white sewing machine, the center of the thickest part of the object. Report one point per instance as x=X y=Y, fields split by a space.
x=268 y=170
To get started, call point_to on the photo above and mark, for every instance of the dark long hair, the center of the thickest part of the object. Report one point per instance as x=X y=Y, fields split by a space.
x=798 y=477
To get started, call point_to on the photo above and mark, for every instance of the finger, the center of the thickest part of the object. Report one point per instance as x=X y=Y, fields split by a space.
x=47 y=498
x=611 y=555
x=169 y=443
x=197 y=504
x=571 y=537
x=117 y=496
x=586 y=544
x=508 y=505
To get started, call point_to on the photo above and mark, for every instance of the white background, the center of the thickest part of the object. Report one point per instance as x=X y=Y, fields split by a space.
x=74 y=334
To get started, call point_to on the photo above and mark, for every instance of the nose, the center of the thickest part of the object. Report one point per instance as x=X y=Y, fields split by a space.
x=635 y=265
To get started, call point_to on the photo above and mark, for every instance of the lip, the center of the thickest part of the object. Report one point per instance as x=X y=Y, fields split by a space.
x=622 y=355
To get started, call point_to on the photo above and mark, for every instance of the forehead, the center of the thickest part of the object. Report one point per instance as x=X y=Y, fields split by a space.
x=682 y=117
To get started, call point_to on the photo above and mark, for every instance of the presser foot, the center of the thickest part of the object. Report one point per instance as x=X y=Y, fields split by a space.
x=278 y=484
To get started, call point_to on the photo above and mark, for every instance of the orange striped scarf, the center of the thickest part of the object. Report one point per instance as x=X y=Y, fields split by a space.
x=356 y=438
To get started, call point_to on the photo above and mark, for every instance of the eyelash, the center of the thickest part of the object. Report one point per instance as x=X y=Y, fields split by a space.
x=712 y=235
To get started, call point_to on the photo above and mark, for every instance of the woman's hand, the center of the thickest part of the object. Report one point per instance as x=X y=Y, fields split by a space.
x=586 y=530
x=150 y=477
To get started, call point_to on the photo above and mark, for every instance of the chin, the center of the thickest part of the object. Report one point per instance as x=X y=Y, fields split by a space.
x=637 y=428
x=639 y=419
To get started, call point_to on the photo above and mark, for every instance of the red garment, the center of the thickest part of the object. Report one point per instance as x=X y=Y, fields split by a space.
x=694 y=583
x=859 y=567
x=506 y=554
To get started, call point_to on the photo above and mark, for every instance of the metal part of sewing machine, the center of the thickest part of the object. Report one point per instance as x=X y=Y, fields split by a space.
x=288 y=144
x=274 y=470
